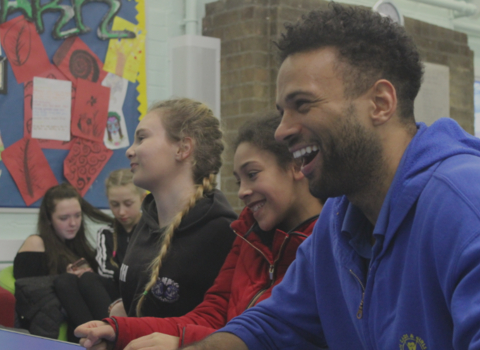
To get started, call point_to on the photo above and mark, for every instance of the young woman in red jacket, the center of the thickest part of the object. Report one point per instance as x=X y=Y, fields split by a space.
x=279 y=214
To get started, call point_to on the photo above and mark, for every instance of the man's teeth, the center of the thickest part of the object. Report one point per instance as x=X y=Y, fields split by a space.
x=303 y=151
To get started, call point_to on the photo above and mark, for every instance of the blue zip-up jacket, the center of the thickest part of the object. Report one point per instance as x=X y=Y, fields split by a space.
x=421 y=289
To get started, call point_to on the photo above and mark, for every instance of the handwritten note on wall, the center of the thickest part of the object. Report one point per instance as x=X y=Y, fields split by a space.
x=51 y=110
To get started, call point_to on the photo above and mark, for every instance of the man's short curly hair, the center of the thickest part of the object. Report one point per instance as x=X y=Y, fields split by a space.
x=369 y=47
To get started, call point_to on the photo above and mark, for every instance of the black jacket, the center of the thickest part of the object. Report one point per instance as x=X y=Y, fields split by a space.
x=37 y=306
x=197 y=252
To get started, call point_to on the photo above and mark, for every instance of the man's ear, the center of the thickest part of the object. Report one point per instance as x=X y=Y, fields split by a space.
x=185 y=149
x=384 y=98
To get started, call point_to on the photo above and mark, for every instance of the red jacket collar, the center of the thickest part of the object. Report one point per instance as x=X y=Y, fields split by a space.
x=244 y=225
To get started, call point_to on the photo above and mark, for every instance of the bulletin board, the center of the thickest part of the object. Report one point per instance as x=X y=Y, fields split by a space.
x=90 y=20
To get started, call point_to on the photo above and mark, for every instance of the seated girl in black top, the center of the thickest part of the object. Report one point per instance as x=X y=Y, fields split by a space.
x=61 y=238
x=60 y=242
x=184 y=235
x=125 y=200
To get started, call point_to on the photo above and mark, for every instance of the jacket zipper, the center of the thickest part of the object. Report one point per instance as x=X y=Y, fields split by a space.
x=360 y=308
x=260 y=292
x=271 y=269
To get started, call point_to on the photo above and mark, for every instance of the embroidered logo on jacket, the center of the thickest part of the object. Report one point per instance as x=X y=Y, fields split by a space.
x=166 y=290
x=410 y=342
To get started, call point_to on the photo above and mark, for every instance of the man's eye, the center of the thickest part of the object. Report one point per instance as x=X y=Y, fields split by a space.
x=301 y=104
x=252 y=174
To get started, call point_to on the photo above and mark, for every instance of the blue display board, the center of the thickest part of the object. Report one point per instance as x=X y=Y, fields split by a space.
x=11 y=105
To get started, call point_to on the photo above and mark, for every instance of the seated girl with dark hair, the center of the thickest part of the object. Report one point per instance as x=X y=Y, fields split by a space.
x=61 y=241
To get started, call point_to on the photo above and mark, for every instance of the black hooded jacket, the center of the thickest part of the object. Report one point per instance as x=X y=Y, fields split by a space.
x=197 y=252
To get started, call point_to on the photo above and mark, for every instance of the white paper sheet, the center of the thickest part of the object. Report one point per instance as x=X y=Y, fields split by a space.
x=51 y=109
x=116 y=133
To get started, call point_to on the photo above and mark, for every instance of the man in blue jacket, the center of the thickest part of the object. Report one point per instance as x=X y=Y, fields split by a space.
x=394 y=261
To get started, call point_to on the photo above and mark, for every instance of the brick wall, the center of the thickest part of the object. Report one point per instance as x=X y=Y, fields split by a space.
x=249 y=67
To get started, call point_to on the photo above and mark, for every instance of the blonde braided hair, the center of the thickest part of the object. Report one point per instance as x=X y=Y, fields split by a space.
x=188 y=118
x=207 y=186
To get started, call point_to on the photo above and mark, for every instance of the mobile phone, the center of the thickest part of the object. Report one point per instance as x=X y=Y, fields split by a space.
x=79 y=263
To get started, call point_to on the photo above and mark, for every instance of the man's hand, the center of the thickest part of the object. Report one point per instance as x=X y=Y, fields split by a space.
x=154 y=341
x=95 y=335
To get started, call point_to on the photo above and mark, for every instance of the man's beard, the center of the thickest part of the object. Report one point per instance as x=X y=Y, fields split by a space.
x=352 y=160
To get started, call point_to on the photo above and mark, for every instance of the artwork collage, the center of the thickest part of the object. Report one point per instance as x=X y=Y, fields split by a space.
x=74 y=103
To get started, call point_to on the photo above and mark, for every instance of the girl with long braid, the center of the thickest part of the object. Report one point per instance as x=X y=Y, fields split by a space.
x=183 y=237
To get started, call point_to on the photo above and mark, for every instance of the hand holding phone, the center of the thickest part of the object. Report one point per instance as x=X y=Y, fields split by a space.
x=80 y=264
x=79 y=267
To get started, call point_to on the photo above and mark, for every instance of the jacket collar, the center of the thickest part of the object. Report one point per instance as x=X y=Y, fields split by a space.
x=245 y=227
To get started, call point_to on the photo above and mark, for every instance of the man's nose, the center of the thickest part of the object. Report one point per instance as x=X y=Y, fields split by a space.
x=287 y=128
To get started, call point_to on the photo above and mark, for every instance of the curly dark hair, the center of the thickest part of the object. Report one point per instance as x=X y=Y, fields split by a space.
x=369 y=47
x=260 y=132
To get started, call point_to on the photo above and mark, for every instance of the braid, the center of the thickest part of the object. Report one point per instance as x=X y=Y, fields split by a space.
x=206 y=187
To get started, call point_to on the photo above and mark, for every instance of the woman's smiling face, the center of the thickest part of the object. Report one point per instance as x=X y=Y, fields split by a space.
x=265 y=187
x=152 y=153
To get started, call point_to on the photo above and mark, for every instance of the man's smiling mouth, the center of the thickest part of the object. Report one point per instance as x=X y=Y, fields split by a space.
x=308 y=153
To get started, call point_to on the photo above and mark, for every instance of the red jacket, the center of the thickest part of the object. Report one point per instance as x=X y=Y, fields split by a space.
x=249 y=273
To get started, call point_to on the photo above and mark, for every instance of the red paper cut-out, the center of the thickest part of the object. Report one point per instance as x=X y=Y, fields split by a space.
x=52 y=73
x=24 y=49
x=29 y=168
x=90 y=112
x=84 y=162
x=75 y=59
